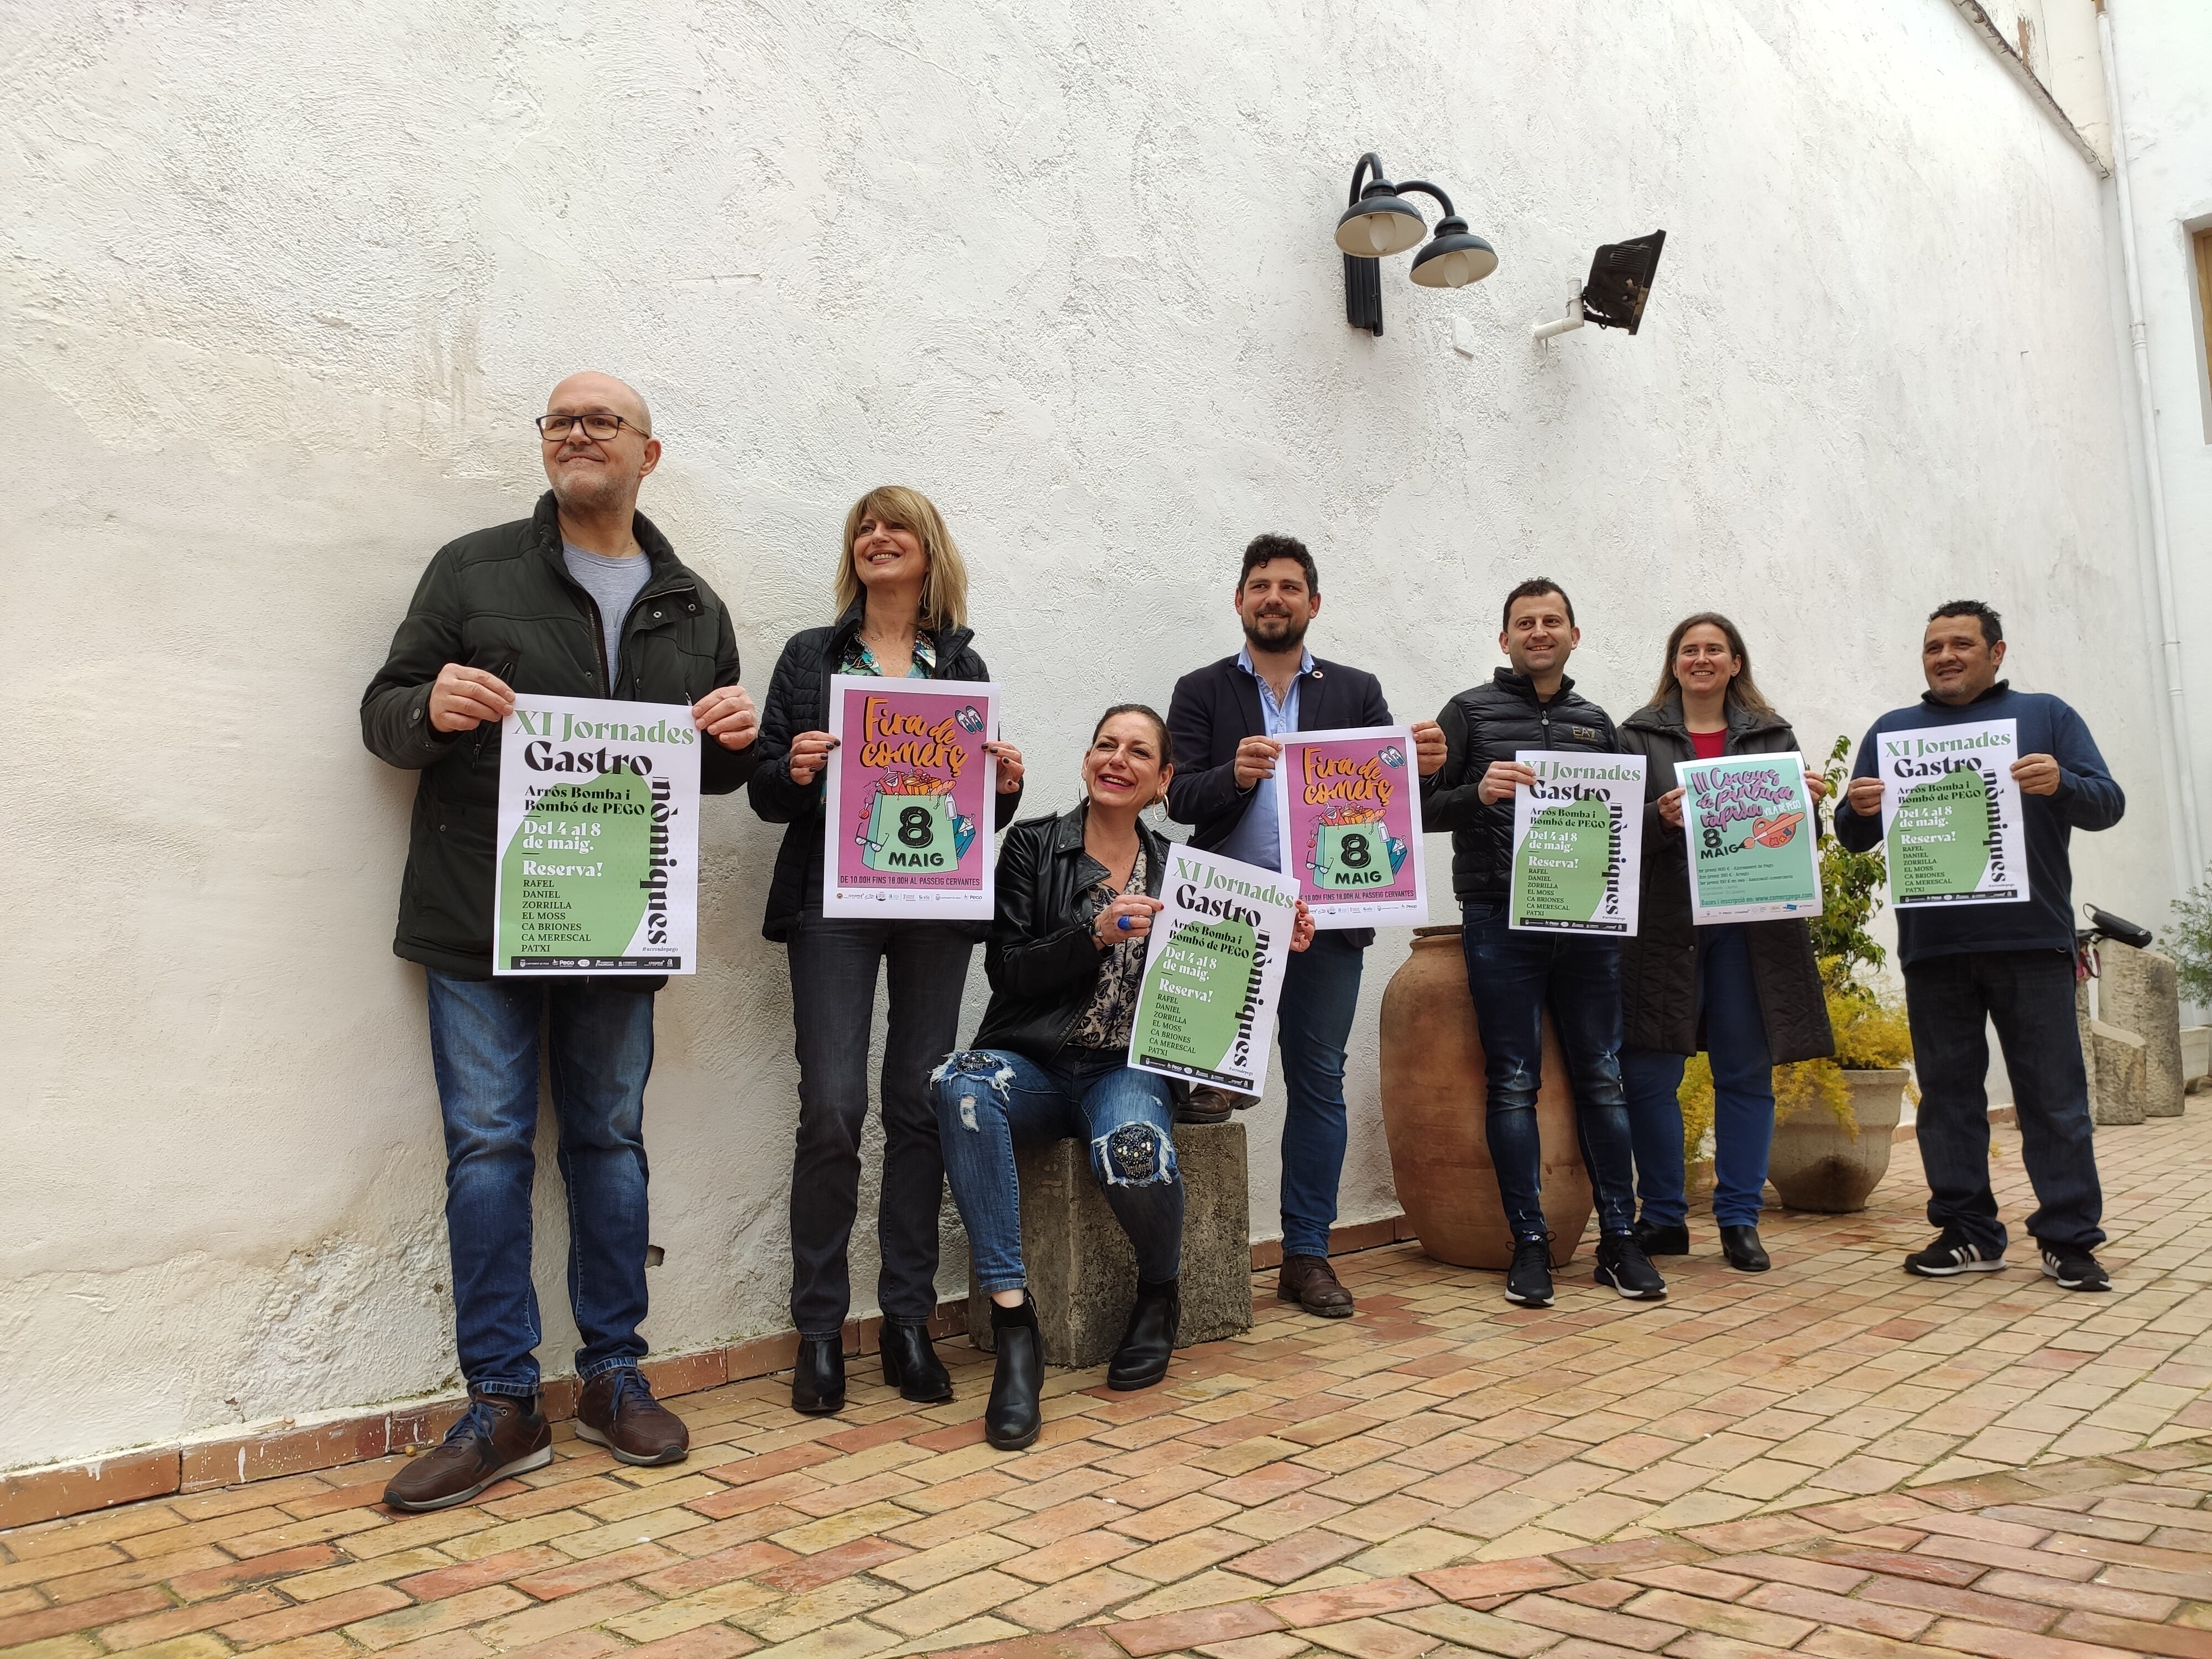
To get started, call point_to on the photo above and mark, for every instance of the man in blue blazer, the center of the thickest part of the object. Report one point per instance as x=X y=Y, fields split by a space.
x=1227 y=722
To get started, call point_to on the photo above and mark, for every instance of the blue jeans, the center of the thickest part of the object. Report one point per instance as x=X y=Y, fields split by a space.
x=989 y=1102
x=1514 y=977
x=2029 y=995
x=1743 y=1093
x=1313 y=1023
x=483 y=1047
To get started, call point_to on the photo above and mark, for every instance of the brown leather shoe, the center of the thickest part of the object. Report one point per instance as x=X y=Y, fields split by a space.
x=499 y=1435
x=618 y=1412
x=1206 y=1105
x=1310 y=1282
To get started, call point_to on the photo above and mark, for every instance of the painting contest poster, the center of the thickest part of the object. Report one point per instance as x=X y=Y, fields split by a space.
x=911 y=791
x=1749 y=820
x=1348 y=810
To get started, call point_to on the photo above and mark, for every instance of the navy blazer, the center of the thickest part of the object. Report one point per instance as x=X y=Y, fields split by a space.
x=1218 y=707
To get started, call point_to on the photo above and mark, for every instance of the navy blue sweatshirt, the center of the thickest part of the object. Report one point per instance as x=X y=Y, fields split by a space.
x=2088 y=799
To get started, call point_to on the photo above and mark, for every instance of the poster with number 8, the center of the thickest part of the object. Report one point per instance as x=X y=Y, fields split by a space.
x=911 y=797
x=1348 y=816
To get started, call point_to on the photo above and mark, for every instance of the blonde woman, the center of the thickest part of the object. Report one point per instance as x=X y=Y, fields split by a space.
x=902 y=593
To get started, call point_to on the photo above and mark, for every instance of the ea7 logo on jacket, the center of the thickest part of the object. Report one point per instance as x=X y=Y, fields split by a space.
x=1584 y=734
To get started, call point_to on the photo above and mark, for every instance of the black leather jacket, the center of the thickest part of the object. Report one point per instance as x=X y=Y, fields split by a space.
x=1041 y=960
x=1487 y=723
x=798 y=701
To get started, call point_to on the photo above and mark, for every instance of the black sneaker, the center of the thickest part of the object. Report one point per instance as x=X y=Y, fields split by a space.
x=2074 y=1268
x=1529 y=1281
x=1953 y=1253
x=1622 y=1264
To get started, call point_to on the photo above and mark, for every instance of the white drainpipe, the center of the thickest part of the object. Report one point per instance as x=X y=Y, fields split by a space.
x=2180 y=768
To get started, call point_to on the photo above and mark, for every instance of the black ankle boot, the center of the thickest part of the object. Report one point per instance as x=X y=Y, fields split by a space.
x=1149 y=1342
x=817 y=1379
x=911 y=1365
x=1012 y=1420
x=1741 y=1247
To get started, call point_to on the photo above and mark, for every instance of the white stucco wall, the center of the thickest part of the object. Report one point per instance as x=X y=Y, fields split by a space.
x=284 y=282
x=2164 y=51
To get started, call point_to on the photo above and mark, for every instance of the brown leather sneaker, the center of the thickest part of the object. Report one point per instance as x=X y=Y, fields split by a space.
x=499 y=1435
x=618 y=1412
x=1310 y=1282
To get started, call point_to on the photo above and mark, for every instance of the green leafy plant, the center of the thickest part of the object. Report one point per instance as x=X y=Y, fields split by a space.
x=1872 y=1032
x=2189 y=941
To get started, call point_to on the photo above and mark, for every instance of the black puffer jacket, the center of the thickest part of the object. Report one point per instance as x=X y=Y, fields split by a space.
x=1487 y=723
x=1659 y=966
x=502 y=601
x=798 y=701
x=1041 y=962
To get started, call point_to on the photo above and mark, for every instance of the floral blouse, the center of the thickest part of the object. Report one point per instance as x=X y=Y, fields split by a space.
x=1105 y=1022
x=859 y=659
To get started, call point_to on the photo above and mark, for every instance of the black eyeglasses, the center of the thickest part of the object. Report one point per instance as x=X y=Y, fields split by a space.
x=554 y=429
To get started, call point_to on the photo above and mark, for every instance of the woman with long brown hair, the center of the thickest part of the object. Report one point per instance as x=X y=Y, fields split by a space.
x=1747 y=992
x=902 y=594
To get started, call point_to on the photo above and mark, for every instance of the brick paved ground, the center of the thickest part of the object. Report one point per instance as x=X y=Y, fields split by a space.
x=1835 y=1459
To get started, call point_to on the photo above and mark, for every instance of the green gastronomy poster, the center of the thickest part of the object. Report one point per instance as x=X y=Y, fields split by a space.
x=1578 y=843
x=1750 y=826
x=1206 y=1011
x=1950 y=811
x=599 y=836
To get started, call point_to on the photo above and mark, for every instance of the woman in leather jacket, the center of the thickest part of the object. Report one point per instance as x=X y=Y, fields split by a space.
x=1747 y=992
x=1076 y=897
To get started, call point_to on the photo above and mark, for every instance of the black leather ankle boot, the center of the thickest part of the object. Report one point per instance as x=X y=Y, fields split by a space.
x=817 y=1379
x=1149 y=1342
x=911 y=1365
x=1012 y=1420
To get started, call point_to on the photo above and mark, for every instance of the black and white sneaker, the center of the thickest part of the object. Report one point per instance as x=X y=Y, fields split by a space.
x=1529 y=1281
x=1953 y=1253
x=1622 y=1264
x=2074 y=1268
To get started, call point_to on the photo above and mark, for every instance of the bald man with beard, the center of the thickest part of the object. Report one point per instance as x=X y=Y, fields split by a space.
x=583 y=599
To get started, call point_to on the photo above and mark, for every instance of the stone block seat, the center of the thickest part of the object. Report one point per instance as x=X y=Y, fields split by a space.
x=1081 y=1266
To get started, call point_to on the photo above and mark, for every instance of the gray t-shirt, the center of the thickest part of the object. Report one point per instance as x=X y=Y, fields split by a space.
x=612 y=584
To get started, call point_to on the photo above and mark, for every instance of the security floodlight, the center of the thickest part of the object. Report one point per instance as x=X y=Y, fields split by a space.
x=1619 y=282
x=1379 y=222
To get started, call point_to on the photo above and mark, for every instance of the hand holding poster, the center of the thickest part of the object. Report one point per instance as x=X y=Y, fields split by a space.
x=911 y=795
x=1578 y=843
x=599 y=834
x=1950 y=809
x=1348 y=810
x=1206 y=1009
x=1749 y=821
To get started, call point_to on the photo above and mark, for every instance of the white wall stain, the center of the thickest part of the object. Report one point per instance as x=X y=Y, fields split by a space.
x=281 y=285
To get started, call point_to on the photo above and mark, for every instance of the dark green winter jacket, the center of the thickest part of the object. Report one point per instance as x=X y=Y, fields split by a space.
x=502 y=601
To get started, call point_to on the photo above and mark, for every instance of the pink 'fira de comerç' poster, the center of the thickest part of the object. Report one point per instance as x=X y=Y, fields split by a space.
x=911 y=797
x=1349 y=804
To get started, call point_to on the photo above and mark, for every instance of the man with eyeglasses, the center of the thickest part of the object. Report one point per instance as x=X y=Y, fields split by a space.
x=583 y=599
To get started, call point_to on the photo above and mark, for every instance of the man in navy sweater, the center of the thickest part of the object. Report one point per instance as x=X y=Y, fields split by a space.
x=1968 y=965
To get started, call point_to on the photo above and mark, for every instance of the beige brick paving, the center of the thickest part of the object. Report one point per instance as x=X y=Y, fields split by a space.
x=1833 y=1458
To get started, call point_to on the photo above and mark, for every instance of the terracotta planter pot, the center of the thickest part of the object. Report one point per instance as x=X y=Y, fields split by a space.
x=1817 y=1165
x=1432 y=1110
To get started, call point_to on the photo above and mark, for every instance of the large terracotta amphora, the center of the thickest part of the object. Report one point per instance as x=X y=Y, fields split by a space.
x=1432 y=1111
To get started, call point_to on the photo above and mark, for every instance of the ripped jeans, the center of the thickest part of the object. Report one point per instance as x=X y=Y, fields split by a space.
x=989 y=1102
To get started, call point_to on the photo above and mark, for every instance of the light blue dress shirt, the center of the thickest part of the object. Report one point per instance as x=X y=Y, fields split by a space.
x=1254 y=840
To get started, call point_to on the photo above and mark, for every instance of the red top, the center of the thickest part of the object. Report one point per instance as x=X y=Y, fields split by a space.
x=1709 y=744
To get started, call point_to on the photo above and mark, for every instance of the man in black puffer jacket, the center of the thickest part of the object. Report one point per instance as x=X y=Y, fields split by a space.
x=583 y=599
x=1516 y=977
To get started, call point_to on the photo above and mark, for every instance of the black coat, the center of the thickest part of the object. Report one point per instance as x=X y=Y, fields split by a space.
x=798 y=701
x=502 y=601
x=1041 y=962
x=1218 y=707
x=1489 y=722
x=1659 y=965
